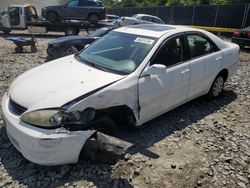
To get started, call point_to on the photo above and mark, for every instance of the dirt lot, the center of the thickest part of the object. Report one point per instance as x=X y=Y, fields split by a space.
x=200 y=144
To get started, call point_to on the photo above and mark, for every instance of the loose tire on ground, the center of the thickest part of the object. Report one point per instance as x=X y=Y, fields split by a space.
x=217 y=87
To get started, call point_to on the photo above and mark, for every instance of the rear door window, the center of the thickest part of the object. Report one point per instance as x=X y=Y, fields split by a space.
x=199 y=45
x=85 y=3
x=72 y=4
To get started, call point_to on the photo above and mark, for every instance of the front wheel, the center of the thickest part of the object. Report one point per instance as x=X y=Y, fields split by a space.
x=217 y=87
x=6 y=31
x=69 y=31
x=71 y=50
x=105 y=125
x=93 y=18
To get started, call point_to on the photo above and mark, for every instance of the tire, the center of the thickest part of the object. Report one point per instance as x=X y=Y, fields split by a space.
x=93 y=18
x=71 y=50
x=105 y=125
x=34 y=49
x=217 y=87
x=6 y=31
x=52 y=16
x=19 y=49
x=69 y=31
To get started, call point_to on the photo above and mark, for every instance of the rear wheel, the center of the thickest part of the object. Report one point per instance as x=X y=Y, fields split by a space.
x=69 y=31
x=52 y=16
x=93 y=18
x=217 y=87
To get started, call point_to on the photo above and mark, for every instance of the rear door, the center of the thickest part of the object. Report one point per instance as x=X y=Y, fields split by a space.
x=205 y=60
x=87 y=7
x=71 y=10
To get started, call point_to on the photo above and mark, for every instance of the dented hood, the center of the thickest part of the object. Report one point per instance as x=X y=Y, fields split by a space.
x=58 y=82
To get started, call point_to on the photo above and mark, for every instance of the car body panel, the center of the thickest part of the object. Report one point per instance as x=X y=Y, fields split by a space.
x=71 y=80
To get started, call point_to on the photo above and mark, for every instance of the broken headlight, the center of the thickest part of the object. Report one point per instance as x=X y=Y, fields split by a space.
x=44 y=118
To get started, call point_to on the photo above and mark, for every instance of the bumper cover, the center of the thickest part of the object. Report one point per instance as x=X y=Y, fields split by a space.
x=241 y=41
x=42 y=146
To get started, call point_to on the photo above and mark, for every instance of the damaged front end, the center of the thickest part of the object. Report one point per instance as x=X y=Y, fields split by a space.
x=98 y=146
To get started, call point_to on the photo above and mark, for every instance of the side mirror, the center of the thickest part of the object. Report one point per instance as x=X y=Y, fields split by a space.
x=156 y=69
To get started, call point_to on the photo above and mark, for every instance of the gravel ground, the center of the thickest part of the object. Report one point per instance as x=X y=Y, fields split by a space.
x=200 y=144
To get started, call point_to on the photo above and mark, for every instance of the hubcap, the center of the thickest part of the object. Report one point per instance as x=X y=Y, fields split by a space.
x=218 y=86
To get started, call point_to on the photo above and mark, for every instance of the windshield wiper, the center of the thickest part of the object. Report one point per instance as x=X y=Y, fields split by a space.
x=92 y=64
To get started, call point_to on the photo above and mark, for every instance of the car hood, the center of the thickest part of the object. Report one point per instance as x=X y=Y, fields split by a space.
x=58 y=82
x=70 y=38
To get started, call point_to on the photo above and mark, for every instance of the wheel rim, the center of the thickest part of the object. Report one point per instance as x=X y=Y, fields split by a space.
x=218 y=86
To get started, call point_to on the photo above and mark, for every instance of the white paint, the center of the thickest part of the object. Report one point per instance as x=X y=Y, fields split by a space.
x=58 y=82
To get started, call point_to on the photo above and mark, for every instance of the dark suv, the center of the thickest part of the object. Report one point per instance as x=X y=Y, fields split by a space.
x=91 y=10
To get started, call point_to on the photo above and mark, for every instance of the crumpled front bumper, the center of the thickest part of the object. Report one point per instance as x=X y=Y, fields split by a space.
x=42 y=146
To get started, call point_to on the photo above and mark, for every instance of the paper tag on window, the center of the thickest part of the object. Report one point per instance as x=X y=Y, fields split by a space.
x=144 y=40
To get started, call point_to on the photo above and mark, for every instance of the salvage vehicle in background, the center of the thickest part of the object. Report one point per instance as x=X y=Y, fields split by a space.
x=22 y=17
x=140 y=19
x=72 y=44
x=91 y=10
x=242 y=37
x=128 y=77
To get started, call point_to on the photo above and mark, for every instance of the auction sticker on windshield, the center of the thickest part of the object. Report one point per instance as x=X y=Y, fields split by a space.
x=144 y=40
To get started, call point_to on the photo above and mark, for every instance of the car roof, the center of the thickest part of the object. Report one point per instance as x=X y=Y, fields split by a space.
x=153 y=30
x=140 y=15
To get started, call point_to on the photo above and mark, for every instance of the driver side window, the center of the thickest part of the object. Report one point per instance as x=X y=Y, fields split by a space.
x=170 y=53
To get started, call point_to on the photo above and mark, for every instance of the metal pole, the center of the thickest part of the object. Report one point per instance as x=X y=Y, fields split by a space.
x=193 y=15
x=216 y=16
x=244 y=20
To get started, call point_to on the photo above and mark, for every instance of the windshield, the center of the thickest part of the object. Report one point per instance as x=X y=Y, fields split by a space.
x=99 y=32
x=117 y=52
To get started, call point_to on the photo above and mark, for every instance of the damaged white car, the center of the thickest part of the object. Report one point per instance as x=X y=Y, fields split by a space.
x=128 y=77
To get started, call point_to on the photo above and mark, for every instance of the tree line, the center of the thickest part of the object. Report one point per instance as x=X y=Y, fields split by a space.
x=154 y=3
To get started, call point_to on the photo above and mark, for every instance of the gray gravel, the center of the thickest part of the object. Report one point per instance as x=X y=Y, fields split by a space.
x=200 y=144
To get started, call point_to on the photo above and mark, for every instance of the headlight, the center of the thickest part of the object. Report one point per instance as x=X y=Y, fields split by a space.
x=44 y=118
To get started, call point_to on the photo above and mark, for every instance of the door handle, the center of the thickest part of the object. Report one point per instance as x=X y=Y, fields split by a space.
x=185 y=71
x=218 y=58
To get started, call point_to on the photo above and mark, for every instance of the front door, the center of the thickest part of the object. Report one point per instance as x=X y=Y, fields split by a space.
x=72 y=10
x=160 y=93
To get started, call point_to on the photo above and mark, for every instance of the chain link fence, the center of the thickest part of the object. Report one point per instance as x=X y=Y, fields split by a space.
x=225 y=16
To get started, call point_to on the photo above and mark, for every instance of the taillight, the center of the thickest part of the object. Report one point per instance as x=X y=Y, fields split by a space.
x=248 y=34
x=237 y=33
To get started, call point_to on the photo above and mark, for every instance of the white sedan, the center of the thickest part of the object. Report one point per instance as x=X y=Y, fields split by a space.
x=130 y=76
x=139 y=19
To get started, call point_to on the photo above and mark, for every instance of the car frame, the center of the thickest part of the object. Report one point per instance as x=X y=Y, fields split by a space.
x=50 y=123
